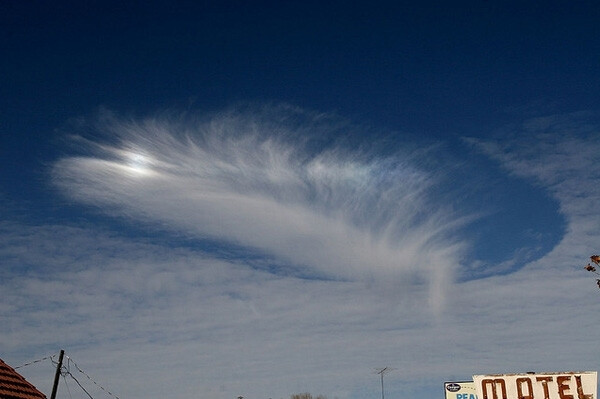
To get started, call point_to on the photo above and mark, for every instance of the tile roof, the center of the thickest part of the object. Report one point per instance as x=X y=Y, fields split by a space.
x=14 y=386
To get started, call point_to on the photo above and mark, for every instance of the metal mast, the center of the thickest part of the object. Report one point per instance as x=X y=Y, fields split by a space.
x=382 y=372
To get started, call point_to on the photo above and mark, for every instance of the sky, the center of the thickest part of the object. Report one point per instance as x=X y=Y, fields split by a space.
x=213 y=199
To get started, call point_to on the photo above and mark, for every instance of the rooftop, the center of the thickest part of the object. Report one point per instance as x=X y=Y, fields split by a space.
x=14 y=386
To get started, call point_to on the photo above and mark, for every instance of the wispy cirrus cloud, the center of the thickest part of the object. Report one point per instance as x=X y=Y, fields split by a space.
x=126 y=309
x=129 y=307
x=278 y=182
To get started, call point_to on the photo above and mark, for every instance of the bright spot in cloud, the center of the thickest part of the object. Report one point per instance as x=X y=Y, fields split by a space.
x=138 y=164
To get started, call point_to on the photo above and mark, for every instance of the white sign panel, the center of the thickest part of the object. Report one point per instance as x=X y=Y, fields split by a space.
x=567 y=385
x=460 y=390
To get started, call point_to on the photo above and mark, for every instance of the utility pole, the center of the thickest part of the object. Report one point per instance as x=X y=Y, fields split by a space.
x=382 y=372
x=57 y=374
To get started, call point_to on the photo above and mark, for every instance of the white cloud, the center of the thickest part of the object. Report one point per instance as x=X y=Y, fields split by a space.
x=258 y=181
x=150 y=319
x=220 y=327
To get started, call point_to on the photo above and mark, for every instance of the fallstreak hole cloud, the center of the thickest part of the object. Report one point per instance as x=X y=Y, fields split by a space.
x=305 y=189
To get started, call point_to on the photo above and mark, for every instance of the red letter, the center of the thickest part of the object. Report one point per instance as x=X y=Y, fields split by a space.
x=497 y=381
x=563 y=386
x=580 y=393
x=544 y=381
x=520 y=382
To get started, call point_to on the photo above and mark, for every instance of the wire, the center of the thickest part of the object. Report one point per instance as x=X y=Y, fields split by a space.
x=67 y=385
x=90 y=378
x=80 y=386
x=66 y=370
x=35 y=361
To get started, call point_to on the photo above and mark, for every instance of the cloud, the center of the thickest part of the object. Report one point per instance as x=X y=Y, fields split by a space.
x=278 y=182
x=125 y=310
x=151 y=317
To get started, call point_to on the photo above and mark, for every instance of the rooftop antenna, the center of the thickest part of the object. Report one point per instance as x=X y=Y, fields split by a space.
x=382 y=371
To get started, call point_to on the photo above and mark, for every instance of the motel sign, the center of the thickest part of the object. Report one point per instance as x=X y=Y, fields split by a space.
x=566 y=385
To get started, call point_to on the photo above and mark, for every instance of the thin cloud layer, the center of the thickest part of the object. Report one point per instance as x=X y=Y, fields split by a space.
x=125 y=310
x=149 y=318
x=276 y=182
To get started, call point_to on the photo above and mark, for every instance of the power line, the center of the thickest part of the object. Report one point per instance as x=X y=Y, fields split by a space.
x=69 y=361
x=66 y=370
x=67 y=385
x=35 y=361
x=80 y=386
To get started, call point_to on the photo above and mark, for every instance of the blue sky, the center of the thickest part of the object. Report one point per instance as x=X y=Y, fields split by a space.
x=260 y=199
